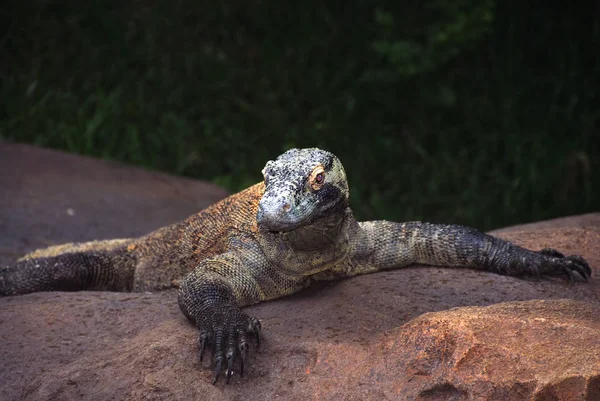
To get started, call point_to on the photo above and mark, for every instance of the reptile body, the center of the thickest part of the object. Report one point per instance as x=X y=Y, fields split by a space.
x=269 y=241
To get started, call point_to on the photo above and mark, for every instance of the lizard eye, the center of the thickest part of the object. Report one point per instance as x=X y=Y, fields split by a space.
x=317 y=178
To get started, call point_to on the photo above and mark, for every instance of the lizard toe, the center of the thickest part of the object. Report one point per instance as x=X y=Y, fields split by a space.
x=255 y=327
x=218 y=352
x=228 y=334
x=579 y=266
x=551 y=252
x=203 y=340
x=243 y=350
x=574 y=267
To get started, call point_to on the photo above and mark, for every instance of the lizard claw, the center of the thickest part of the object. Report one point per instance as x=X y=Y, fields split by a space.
x=229 y=370
x=227 y=331
x=203 y=341
x=551 y=252
x=243 y=350
x=218 y=363
x=255 y=327
x=243 y=356
x=574 y=267
x=548 y=262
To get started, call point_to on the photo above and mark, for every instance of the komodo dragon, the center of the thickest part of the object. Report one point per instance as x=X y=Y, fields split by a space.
x=265 y=242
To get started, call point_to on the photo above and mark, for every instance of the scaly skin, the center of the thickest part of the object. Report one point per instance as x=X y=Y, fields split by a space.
x=266 y=242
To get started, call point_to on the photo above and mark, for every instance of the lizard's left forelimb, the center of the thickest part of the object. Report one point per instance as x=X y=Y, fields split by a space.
x=384 y=245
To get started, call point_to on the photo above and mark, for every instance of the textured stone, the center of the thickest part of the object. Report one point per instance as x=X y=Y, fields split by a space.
x=355 y=339
x=49 y=197
x=533 y=350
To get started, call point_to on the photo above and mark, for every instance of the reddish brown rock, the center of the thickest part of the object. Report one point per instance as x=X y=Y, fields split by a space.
x=582 y=220
x=534 y=350
x=334 y=341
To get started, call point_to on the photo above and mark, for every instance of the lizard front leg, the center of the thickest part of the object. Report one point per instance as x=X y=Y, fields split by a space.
x=385 y=245
x=211 y=297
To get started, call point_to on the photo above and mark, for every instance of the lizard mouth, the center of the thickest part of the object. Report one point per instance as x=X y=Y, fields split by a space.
x=282 y=228
x=279 y=220
x=280 y=225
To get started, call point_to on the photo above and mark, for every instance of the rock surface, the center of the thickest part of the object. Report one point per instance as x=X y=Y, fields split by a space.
x=49 y=197
x=355 y=339
x=582 y=220
x=542 y=350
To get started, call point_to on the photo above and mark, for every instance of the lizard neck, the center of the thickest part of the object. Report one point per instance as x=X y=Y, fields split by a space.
x=327 y=233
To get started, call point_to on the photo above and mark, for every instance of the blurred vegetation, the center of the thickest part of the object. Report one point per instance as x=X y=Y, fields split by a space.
x=465 y=112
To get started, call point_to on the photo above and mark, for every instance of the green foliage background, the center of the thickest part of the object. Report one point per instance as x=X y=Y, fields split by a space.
x=465 y=112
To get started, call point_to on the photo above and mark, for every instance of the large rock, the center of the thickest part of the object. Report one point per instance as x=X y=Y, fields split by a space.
x=49 y=197
x=355 y=339
x=582 y=220
x=533 y=350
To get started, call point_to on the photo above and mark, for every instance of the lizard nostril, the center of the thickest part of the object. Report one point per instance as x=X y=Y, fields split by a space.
x=286 y=206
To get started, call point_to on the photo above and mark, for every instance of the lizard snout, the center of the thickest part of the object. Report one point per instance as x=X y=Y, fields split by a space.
x=276 y=214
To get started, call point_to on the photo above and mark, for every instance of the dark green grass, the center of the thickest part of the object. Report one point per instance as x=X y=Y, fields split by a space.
x=501 y=130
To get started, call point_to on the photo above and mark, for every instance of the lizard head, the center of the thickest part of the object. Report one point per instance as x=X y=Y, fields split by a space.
x=302 y=187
